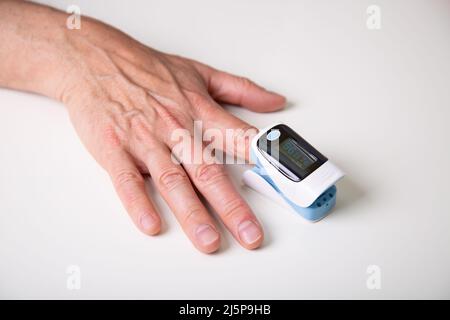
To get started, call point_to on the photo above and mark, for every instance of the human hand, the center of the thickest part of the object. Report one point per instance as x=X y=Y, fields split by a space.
x=125 y=100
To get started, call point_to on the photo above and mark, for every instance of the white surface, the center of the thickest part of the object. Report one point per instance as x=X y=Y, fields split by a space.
x=376 y=102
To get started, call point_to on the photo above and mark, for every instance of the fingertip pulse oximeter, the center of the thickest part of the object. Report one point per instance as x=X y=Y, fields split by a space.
x=292 y=172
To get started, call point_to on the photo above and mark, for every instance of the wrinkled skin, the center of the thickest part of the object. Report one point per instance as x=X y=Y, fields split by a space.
x=125 y=100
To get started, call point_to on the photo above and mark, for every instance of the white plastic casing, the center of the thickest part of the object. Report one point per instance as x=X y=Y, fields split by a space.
x=257 y=183
x=306 y=191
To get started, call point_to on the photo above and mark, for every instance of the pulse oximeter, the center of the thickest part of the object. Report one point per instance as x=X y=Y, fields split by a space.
x=292 y=172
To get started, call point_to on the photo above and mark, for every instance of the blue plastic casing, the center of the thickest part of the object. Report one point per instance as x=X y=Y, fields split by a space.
x=316 y=211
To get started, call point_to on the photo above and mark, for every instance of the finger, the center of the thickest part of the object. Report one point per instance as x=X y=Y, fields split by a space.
x=238 y=133
x=228 y=88
x=227 y=132
x=211 y=180
x=130 y=187
x=175 y=187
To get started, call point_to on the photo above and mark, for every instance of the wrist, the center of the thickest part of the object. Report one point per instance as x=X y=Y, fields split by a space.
x=34 y=58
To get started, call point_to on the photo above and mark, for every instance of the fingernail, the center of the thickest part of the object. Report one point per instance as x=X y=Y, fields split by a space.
x=206 y=235
x=148 y=222
x=249 y=232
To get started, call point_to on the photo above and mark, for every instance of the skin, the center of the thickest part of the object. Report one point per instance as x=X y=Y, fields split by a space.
x=124 y=100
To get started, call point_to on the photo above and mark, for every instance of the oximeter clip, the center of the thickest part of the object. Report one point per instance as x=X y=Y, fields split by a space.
x=292 y=172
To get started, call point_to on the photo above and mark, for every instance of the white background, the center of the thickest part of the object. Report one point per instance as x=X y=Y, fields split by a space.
x=374 y=101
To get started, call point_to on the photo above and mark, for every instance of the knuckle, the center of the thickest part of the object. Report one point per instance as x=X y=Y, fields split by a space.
x=137 y=123
x=134 y=119
x=110 y=136
x=172 y=178
x=245 y=83
x=174 y=118
x=193 y=213
x=209 y=173
x=125 y=183
x=124 y=178
x=234 y=208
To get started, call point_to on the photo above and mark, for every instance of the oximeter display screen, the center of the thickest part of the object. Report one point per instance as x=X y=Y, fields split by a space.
x=296 y=153
x=289 y=153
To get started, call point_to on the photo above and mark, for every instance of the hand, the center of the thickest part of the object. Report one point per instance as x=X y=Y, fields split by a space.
x=125 y=100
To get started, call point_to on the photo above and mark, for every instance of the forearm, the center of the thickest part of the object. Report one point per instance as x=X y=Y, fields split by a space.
x=31 y=52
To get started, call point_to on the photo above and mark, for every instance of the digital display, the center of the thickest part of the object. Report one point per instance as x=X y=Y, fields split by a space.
x=296 y=154
x=292 y=155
